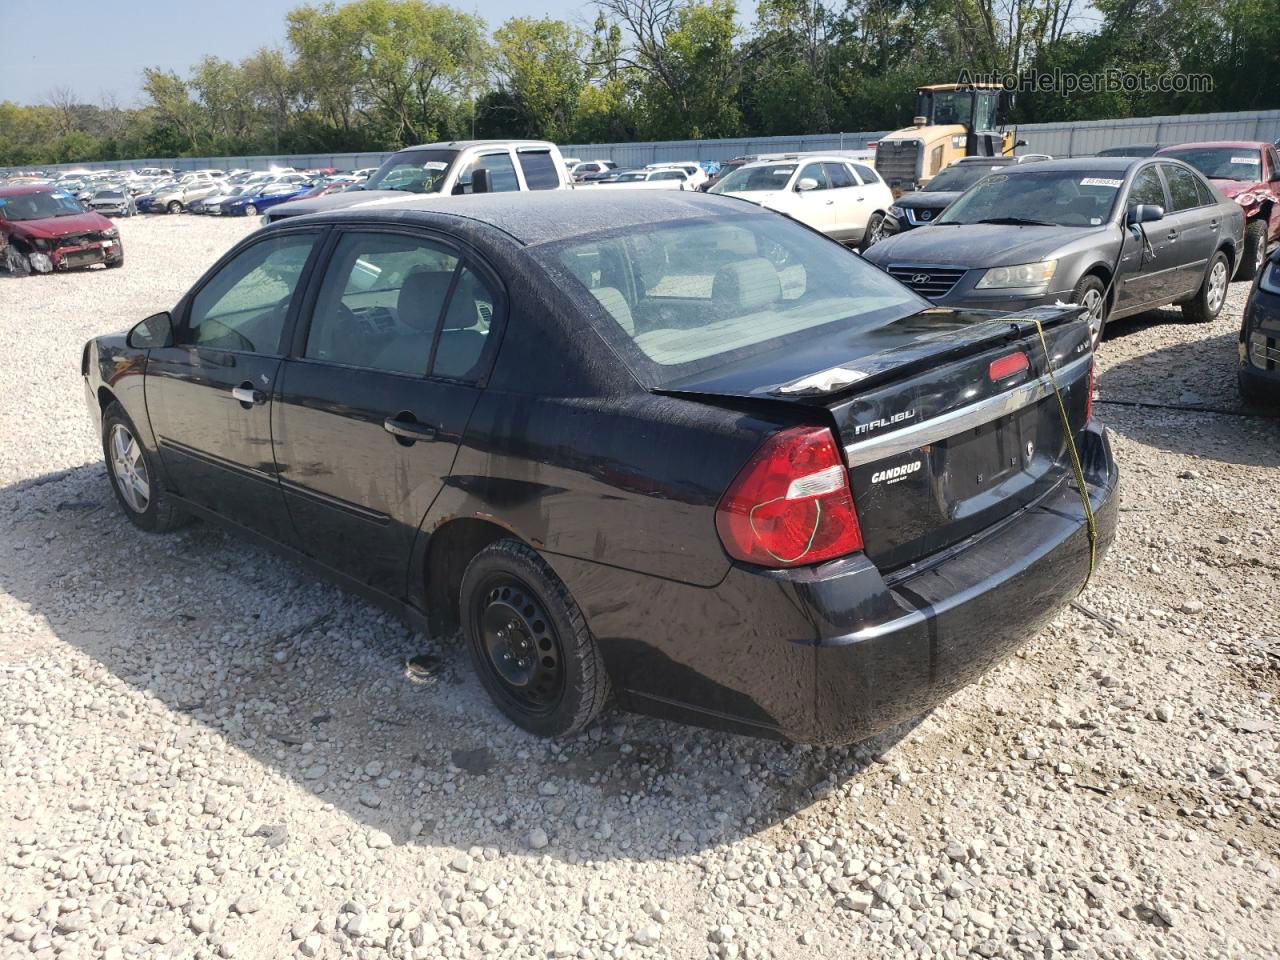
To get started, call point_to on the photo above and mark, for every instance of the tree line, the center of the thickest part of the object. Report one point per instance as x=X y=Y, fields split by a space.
x=380 y=74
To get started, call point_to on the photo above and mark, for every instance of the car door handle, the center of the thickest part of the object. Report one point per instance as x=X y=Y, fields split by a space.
x=1173 y=234
x=1213 y=224
x=403 y=428
x=247 y=393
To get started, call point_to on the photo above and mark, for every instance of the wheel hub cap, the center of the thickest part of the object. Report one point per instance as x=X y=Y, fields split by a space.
x=129 y=469
x=521 y=646
x=1217 y=285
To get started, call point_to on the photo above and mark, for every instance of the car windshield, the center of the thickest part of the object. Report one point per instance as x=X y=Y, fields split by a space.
x=1052 y=198
x=683 y=298
x=415 y=171
x=1223 y=163
x=960 y=176
x=773 y=176
x=111 y=194
x=631 y=177
x=39 y=206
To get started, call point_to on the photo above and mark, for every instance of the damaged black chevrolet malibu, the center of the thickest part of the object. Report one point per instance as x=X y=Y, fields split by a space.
x=676 y=448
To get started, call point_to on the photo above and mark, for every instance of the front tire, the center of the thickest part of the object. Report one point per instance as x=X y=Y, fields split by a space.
x=1208 y=301
x=529 y=642
x=1091 y=294
x=174 y=207
x=1255 y=250
x=250 y=210
x=134 y=476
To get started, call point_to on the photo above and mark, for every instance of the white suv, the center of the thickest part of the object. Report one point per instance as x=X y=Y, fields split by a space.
x=844 y=199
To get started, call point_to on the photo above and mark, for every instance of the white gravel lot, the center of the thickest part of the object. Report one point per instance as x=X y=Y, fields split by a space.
x=207 y=752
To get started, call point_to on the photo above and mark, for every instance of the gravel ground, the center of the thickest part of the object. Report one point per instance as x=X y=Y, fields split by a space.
x=206 y=752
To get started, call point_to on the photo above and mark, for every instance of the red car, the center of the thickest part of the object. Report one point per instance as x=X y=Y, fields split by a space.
x=47 y=229
x=1248 y=172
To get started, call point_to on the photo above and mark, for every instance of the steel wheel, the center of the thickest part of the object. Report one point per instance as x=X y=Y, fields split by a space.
x=1217 y=286
x=519 y=644
x=129 y=469
x=1093 y=302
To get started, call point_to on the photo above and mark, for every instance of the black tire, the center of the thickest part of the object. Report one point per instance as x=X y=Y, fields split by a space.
x=1255 y=250
x=159 y=514
x=1091 y=293
x=873 y=233
x=112 y=264
x=174 y=206
x=1253 y=395
x=1208 y=300
x=545 y=671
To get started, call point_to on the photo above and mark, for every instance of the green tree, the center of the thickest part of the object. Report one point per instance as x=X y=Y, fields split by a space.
x=540 y=63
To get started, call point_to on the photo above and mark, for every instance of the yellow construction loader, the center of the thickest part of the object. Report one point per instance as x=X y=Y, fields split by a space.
x=953 y=120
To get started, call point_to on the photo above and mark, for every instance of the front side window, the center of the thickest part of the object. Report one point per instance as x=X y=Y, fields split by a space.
x=814 y=172
x=380 y=303
x=244 y=306
x=502 y=174
x=1183 y=194
x=685 y=297
x=1146 y=188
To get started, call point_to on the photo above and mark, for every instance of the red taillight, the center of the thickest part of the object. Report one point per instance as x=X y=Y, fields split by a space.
x=791 y=504
x=1007 y=366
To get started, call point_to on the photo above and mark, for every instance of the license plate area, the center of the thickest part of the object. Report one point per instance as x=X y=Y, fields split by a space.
x=82 y=258
x=980 y=460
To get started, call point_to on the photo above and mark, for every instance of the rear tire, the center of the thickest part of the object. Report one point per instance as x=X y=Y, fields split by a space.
x=135 y=478
x=1255 y=250
x=1091 y=293
x=874 y=232
x=529 y=641
x=1208 y=301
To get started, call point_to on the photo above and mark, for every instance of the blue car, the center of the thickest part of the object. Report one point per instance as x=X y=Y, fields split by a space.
x=250 y=203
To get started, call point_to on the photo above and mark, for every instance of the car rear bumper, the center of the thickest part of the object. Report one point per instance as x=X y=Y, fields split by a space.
x=839 y=652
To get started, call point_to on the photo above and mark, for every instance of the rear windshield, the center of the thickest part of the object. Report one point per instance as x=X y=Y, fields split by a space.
x=1054 y=198
x=690 y=296
x=1223 y=163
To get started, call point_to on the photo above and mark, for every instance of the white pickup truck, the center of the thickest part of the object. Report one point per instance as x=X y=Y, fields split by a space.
x=460 y=166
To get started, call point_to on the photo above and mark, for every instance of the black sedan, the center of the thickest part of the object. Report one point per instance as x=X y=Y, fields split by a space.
x=1114 y=234
x=673 y=446
x=1259 y=372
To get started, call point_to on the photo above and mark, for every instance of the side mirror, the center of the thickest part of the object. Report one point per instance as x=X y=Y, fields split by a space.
x=806 y=184
x=1019 y=143
x=155 y=331
x=1144 y=213
x=480 y=182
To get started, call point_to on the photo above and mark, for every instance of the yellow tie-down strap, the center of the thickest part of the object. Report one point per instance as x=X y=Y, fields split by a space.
x=1081 y=486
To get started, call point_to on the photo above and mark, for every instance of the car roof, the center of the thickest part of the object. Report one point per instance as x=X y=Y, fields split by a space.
x=1230 y=144
x=544 y=216
x=23 y=189
x=465 y=144
x=1118 y=164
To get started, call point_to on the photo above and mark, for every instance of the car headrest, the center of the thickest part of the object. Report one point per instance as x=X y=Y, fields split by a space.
x=422 y=297
x=747 y=284
x=611 y=299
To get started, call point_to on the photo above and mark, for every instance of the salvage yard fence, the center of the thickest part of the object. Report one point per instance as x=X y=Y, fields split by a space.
x=1057 y=139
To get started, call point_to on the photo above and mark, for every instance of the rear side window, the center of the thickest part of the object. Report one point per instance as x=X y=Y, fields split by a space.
x=866 y=174
x=465 y=331
x=839 y=175
x=1206 y=194
x=1183 y=194
x=540 y=170
x=381 y=302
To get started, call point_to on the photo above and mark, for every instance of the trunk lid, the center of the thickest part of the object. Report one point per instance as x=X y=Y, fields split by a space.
x=937 y=449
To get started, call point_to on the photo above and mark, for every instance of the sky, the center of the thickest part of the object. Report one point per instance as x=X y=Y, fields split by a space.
x=97 y=48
